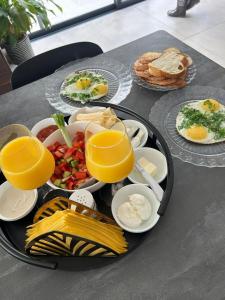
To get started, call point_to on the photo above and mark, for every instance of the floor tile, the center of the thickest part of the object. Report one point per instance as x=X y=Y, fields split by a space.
x=211 y=40
x=207 y=53
x=201 y=17
x=202 y=29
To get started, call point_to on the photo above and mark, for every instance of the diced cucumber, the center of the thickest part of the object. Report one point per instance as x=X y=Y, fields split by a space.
x=57 y=182
x=63 y=185
x=66 y=174
x=73 y=163
x=69 y=159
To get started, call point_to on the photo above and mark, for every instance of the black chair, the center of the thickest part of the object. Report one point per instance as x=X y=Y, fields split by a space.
x=46 y=63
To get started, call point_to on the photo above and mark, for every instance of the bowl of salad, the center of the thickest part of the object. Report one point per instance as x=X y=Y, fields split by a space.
x=68 y=148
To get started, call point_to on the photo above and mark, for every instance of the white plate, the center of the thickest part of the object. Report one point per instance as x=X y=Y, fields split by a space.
x=154 y=156
x=56 y=136
x=134 y=123
x=122 y=196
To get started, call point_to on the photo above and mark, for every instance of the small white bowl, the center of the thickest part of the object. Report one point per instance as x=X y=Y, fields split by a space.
x=41 y=125
x=84 y=110
x=5 y=186
x=154 y=156
x=122 y=196
x=56 y=136
x=134 y=123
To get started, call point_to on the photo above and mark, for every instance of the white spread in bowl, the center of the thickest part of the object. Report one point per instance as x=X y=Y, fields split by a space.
x=14 y=203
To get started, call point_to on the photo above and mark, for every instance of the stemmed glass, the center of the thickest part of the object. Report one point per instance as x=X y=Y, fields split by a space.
x=26 y=163
x=109 y=153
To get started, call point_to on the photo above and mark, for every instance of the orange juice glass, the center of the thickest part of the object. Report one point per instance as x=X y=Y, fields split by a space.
x=26 y=163
x=109 y=154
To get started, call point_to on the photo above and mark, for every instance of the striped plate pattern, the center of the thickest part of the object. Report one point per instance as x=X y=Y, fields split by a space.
x=63 y=244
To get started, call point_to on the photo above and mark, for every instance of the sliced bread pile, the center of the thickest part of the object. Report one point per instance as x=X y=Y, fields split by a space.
x=167 y=69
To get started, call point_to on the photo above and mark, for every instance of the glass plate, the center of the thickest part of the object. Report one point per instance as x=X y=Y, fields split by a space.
x=118 y=76
x=191 y=73
x=163 y=116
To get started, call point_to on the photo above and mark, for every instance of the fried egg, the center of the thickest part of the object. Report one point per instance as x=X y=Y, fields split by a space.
x=206 y=129
x=84 y=86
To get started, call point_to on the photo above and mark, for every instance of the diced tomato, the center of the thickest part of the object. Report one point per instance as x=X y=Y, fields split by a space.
x=53 y=178
x=61 y=153
x=64 y=166
x=70 y=185
x=61 y=149
x=80 y=175
x=51 y=148
x=76 y=145
x=57 y=144
x=58 y=171
x=79 y=155
x=58 y=154
x=69 y=152
x=78 y=137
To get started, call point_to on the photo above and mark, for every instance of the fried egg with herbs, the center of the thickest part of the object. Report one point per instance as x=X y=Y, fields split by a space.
x=84 y=86
x=202 y=121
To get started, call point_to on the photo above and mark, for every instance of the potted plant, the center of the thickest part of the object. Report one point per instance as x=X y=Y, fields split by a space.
x=16 y=19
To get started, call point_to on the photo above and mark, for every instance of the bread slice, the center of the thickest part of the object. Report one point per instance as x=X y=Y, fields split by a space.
x=172 y=49
x=168 y=65
x=151 y=55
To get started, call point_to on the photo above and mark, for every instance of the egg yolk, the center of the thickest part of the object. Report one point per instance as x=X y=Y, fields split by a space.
x=210 y=105
x=83 y=83
x=101 y=89
x=197 y=132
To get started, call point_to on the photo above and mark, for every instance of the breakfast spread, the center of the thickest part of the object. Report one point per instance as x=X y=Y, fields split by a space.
x=167 y=68
x=96 y=147
x=134 y=211
x=84 y=86
x=202 y=121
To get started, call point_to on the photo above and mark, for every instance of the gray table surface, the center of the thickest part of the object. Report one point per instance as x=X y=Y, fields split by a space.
x=182 y=258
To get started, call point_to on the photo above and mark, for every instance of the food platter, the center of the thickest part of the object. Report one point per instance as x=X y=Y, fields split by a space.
x=191 y=73
x=117 y=75
x=166 y=70
x=163 y=115
x=13 y=233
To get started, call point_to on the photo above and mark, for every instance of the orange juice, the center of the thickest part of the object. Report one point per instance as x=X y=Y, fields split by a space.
x=26 y=163
x=109 y=156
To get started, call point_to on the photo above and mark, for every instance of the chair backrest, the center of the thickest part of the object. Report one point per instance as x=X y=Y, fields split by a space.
x=46 y=63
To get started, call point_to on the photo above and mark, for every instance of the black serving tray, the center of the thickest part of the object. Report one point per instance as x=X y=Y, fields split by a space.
x=12 y=234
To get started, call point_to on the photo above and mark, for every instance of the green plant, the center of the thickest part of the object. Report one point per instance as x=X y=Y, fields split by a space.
x=17 y=16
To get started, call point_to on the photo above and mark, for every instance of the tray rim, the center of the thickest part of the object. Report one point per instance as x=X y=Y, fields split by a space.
x=43 y=262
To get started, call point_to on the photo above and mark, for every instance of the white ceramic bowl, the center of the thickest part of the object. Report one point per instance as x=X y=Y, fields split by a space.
x=6 y=185
x=122 y=196
x=56 y=136
x=84 y=110
x=134 y=123
x=41 y=125
x=154 y=156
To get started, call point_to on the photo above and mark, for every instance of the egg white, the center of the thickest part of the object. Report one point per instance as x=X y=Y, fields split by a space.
x=210 y=139
x=70 y=89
